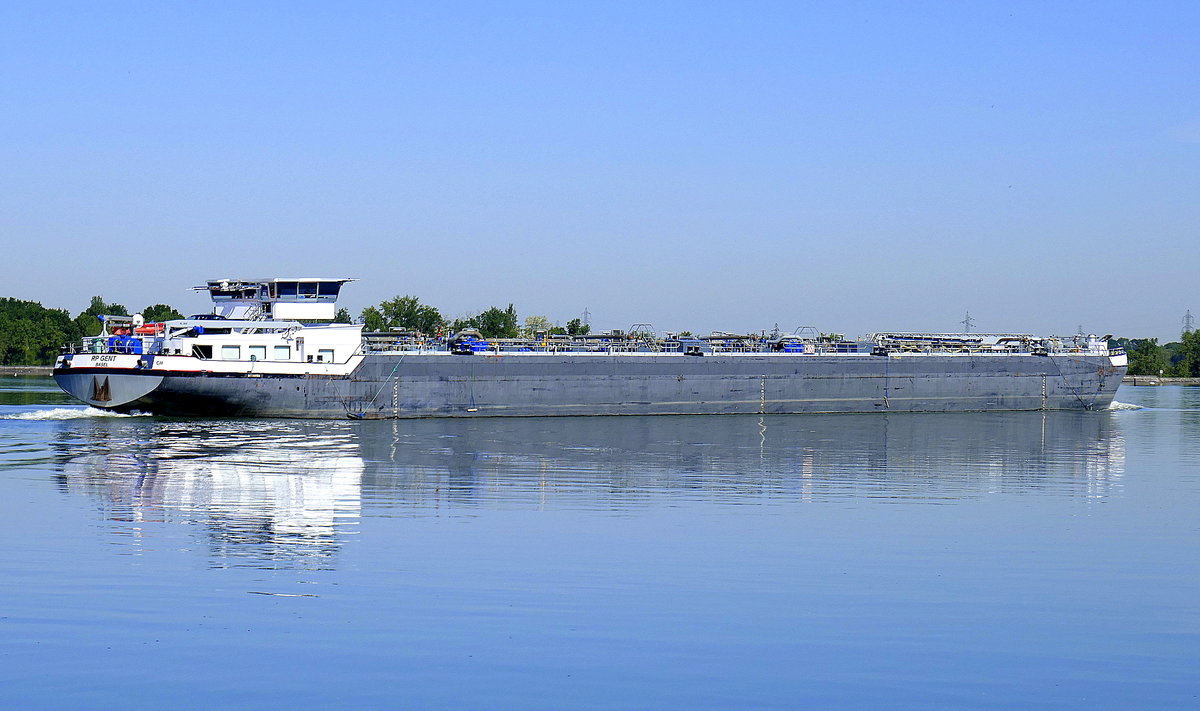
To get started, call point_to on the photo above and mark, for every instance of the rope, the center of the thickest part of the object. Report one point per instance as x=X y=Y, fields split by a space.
x=887 y=374
x=1074 y=391
x=381 y=387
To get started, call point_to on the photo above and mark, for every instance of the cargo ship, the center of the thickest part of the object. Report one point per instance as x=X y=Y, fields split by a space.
x=260 y=354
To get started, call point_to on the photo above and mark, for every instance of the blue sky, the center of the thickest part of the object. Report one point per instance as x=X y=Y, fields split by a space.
x=853 y=166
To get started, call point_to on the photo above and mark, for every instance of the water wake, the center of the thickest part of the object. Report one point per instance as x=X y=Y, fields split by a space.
x=65 y=413
x=1114 y=405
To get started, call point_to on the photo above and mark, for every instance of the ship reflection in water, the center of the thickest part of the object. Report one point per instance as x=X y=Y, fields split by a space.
x=260 y=492
x=266 y=492
x=621 y=463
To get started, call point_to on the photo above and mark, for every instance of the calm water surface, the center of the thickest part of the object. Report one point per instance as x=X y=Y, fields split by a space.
x=908 y=561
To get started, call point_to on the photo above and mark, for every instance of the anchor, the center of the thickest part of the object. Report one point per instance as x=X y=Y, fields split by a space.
x=100 y=391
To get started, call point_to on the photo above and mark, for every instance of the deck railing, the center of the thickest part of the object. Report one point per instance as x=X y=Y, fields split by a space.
x=877 y=344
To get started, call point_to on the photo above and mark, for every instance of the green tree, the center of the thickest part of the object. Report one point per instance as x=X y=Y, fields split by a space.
x=533 y=324
x=463 y=323
x=373 y=320
x=409 y=313
x=1187 y=359
x=1146 y=357
x=31 y=334
x=576 y=327
x=493 y=323
x=89 y=319
x=160 y=312
x=343 y=316
x=498 y=323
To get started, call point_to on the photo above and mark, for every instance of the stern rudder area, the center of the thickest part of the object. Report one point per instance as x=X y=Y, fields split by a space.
x=102 y=389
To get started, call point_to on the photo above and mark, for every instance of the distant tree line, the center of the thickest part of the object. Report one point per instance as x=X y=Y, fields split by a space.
x=409 y=314
x=1179 y=359
x=31 y=334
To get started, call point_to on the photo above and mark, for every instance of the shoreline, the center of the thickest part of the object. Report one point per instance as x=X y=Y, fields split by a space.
x=18 y=370
x=1157 y=380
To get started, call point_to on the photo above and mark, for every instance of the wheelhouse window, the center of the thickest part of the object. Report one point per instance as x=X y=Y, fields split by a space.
x=231 y=352
x=287 y=288
x=227 y=294
x=283 y=353
x=258 y=352
x=308 y=288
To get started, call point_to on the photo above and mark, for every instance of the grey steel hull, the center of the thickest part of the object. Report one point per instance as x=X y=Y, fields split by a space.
x=439 y=385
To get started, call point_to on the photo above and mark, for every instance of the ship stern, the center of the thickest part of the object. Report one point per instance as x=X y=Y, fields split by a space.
x=110 y=384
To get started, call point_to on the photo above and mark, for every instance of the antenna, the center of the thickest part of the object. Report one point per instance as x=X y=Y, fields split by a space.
x=1188 y=323
x=967 y=323
x=586 y=314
